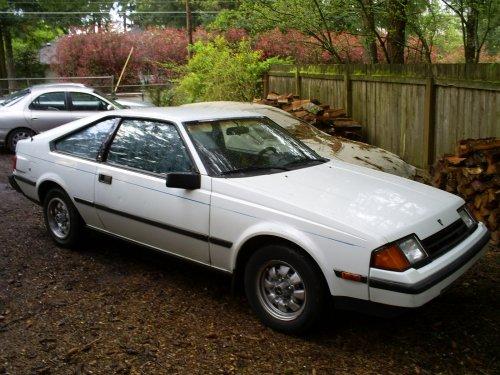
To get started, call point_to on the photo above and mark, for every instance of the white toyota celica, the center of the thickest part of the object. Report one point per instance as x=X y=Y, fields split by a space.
x=235 y=191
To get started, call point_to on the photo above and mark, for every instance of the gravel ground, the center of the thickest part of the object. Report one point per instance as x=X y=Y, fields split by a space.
x=111 y=307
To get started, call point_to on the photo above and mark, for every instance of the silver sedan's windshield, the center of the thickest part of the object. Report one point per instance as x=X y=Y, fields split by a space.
x=235 y=147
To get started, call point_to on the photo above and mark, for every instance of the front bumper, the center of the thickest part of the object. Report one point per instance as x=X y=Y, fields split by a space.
x=415 y=287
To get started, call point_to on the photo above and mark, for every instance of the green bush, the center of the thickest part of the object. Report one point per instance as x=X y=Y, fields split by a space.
x=160 y=96
x=220 y=70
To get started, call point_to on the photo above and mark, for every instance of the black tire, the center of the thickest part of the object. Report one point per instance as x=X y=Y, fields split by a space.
x=16 y=135
x=71 y=236
x=259 y=267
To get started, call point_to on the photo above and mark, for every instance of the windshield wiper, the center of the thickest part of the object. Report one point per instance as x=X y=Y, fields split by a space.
x=304 y=161
x=252 y=169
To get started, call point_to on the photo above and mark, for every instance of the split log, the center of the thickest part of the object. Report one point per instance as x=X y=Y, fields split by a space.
x=473 y=174
x=331 y=120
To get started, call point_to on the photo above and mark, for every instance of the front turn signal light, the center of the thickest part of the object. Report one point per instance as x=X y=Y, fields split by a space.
x=390 y=258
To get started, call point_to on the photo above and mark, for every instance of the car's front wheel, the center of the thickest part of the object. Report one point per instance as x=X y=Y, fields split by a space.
x=16 y=135
x=285 y=288
x=62 y=220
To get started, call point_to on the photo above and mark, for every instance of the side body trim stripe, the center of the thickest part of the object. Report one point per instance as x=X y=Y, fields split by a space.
x=171 y=228
x=25 y=180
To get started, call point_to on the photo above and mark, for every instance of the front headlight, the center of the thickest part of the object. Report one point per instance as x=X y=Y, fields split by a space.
x=412 y=249
x=466 y=217
x=399 y=256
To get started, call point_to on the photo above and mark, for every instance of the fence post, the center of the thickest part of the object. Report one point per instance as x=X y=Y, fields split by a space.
x=298 y=82
x=265 y=85
x=348 y=92
x=112 y=88
x=429 y=124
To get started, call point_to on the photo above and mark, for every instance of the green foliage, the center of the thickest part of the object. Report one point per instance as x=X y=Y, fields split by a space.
x=26 y=50
x=223 y=71
x=231 y=19
x=160 y=96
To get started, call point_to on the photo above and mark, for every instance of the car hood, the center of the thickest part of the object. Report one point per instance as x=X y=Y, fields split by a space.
x=324 y=144
x=350 y=198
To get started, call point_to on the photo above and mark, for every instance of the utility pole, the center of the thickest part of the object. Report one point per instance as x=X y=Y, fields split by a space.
x=189 y=28
x=124 y=19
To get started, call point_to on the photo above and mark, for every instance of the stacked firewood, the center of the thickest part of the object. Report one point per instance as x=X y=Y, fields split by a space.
x=473 y=173
x=332 y=121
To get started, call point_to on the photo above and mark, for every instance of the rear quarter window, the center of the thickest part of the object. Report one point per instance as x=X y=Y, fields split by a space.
x=86 y=143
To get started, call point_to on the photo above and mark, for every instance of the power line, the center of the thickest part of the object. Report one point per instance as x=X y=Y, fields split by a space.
x=20 y=13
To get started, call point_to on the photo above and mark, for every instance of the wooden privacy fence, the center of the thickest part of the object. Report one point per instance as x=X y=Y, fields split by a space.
x=419 y=112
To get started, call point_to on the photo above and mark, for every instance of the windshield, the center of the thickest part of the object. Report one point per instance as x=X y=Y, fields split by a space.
x=108 y=98
x=14 y=97
x=236 y=147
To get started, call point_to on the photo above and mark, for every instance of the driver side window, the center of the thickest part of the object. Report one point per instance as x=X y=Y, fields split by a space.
x=149 y=146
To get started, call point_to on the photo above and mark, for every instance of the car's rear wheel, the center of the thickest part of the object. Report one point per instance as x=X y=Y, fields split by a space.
x=62 y=220
x=285 y=288
x=16 y=135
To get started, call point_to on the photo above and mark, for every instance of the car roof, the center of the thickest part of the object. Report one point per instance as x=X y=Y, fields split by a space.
x=185 y=114
x=61 y=87
x=63 y=84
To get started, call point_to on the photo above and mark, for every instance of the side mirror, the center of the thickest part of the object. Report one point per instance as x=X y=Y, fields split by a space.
x=184 y=180
x=110 y=107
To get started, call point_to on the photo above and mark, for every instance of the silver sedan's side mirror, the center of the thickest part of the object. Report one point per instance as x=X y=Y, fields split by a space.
x=110 y=107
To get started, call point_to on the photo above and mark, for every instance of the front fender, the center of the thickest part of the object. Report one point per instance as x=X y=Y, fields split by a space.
x=289 y=233
x=328 y=253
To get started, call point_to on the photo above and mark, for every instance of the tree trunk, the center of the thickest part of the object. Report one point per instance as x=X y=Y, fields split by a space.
x=189 y=28
x=396 y=33
x=470 y=46
x=9 y=58
x=371 y=47
x=369 y=26
x=3 y=69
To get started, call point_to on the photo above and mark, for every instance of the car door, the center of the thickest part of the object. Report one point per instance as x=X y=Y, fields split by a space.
x=48 y=110
x=76 y=163
x=83 y=104
x=132 y=198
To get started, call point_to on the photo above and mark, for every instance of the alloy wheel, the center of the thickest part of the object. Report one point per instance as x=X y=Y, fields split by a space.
x=281 y=290
x=58 y=218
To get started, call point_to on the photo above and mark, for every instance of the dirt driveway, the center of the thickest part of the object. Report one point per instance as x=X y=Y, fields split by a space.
x=111 y=307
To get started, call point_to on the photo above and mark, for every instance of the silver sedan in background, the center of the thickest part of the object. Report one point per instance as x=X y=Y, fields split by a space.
x=42 y=107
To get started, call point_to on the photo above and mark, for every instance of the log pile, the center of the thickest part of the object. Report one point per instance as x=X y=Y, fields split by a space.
x=330 y=120
x=473 y=173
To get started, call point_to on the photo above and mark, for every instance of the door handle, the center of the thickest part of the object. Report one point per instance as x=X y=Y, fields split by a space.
x=34 y=118
x=105 y=179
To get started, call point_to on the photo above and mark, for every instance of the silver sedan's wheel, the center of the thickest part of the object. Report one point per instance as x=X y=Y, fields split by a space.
x=58 y=218
x=281 y=290
x=18 y=135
